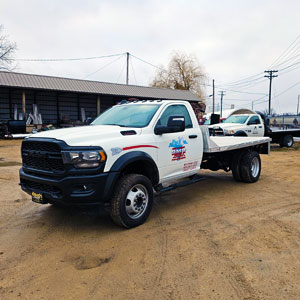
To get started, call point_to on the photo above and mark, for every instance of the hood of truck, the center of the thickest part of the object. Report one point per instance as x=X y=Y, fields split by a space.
x=85 y=135
x=228 y=126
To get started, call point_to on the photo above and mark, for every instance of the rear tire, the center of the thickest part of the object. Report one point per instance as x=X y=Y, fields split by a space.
x=287 y=141
x=236 y=166
x=250 y=167
x=132 y=201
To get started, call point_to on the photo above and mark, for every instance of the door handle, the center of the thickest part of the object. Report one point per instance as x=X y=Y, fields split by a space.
x=193 y=136
x=259 y=126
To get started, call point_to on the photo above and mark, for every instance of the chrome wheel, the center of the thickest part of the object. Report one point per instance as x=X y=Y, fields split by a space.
x=255 y=167
x=136 y=201
x=290 y=142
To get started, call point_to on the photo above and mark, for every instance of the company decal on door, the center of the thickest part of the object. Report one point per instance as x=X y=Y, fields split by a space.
x=178 y=148
x=190 y=166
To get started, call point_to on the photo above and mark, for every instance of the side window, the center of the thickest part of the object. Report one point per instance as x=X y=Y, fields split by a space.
x=254 y=120
x=175 y=110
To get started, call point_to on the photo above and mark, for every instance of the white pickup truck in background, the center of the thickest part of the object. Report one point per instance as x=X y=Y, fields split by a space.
x=129 y=151
x=253 y=124
x=240 y=125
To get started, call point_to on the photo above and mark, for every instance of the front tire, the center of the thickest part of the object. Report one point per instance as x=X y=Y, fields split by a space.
x=132 y=201
x=250 y=167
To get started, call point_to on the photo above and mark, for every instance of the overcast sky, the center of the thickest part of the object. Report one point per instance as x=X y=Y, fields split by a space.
x=232 y=40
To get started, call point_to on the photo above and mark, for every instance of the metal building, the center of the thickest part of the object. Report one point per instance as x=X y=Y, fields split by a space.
x=58 y=98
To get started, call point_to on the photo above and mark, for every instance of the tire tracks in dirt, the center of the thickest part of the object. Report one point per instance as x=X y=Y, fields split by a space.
x=163 y=251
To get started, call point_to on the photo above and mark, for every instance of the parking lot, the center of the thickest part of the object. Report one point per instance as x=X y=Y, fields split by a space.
x=217 y=239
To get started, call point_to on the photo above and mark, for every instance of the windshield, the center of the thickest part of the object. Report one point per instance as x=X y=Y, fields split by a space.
x=207 y=122
x=132 y=115
x=236 y=119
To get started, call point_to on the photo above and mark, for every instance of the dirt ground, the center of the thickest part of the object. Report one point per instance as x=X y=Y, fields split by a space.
x=217 y=239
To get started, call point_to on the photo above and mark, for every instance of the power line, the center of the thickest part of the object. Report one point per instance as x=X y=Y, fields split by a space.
x=103 y=67
x=121 y=72
x=148 y=63
x=287 y=89
x=66 y=59
x=284 y=62
x=297 y=63
x=131 y=64
x=293 y=44
x=241 y=83
x=291 y=49
x=290 y=70
x=241 y=80
x=241 y=92
x=238 y=99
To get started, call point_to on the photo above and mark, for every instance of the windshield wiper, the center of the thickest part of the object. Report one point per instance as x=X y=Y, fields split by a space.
x=117 y=125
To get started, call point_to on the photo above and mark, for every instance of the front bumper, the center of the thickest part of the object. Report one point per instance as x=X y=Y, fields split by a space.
x=70 y=190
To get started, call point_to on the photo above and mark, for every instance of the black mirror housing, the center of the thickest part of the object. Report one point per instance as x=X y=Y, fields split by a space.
x=175 y=124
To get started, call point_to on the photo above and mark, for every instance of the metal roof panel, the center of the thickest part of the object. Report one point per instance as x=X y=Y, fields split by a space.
x=22 y=80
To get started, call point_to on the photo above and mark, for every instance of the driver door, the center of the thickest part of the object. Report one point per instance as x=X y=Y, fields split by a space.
x=177 y=149
x=256 y=127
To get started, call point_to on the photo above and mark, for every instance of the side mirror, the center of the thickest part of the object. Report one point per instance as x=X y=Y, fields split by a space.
x=89 y=121
x=175 y=124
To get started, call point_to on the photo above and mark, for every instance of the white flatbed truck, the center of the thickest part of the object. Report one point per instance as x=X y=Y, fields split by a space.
x=129 y=151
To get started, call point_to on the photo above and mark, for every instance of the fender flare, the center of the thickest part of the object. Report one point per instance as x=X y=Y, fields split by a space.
x=121 y=163
x=240 y=133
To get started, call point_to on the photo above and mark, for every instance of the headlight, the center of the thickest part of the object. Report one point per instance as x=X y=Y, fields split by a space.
x=84 y=159
x=228 y=132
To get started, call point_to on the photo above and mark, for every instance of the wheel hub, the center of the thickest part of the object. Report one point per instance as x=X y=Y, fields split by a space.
x=136 y=201
x=255 y=167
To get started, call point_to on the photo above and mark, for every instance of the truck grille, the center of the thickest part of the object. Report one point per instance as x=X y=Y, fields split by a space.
x=217 y=131
x=44 y=156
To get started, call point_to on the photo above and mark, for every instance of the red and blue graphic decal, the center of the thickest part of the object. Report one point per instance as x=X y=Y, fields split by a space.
x=178 y=149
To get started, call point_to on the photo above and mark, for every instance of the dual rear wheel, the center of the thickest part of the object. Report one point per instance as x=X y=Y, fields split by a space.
x=286 y=141
x=246 y=166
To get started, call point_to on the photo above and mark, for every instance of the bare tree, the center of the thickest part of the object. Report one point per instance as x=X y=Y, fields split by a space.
x=266 y=112
x=183 y=73
x=7 y=50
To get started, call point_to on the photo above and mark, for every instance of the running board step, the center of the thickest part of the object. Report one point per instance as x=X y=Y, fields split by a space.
x=194 y=179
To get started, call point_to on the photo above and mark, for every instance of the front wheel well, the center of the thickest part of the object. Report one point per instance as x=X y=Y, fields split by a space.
x=240 y=133
x=142 y=167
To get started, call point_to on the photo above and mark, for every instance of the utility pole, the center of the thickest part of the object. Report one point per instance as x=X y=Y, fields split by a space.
x=270 y=76
x=298 y=105
x=213 y=84
x=127 y=68
x=222 y=93
x=252 y=105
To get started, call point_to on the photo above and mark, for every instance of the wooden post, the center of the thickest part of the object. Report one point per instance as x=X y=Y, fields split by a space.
x=98 y=105
x=11 y=114
x=57 y=110
x=78 y=107
x=23 y=103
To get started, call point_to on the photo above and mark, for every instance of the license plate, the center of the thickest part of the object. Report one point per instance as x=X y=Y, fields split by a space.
x=36 y=197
